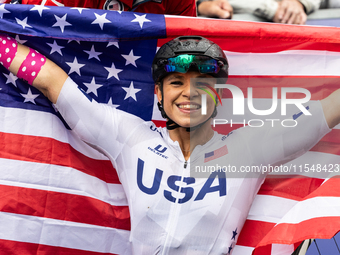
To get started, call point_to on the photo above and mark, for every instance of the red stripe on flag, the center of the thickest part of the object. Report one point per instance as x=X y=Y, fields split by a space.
x=159 y=123
x=258 y=230
x=290 y=188
x=51 y=151
x=329 y=143
x=285 y=233
x=22 y=248
x=63 y=206
x=226 y=129
x=254 y=36
x=318 y=227
x=331 y=188
x=327 y=147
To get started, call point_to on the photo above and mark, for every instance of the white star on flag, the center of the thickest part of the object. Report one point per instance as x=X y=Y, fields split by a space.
x=23 y=22
x=75 y=66
x=69 y=41
x=113 y=71
x=130 y=59
x=29 y=97
x=131 y=92
x=101 y=20
x=141 y=19
x=111 y=104
x=55 y=47
x=92 y=53
x=61 y=22
x=17 y=38
x=3 y=11
x=92 y=87
x=11 y=78
x=39 y=8
x=113 y=43
x=79 y=9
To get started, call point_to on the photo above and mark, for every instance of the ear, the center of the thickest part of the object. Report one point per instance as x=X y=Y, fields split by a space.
x=158 y=91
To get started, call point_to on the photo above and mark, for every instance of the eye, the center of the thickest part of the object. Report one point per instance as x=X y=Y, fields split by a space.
x=176 y=83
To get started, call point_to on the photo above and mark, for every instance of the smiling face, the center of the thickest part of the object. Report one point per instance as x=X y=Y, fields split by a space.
x=182 y=97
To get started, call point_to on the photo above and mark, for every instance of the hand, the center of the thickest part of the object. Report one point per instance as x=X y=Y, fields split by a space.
x=217 y=8
x=290 y=12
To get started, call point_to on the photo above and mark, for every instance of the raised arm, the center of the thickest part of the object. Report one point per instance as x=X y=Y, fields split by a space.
x=47 y=76
x=331 y=108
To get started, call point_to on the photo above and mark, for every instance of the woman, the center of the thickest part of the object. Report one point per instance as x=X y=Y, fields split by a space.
x=172 y=210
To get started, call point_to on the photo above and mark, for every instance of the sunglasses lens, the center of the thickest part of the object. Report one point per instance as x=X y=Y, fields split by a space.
x=182 y=64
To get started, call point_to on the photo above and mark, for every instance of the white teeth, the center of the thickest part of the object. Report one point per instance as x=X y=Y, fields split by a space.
x=188 y=106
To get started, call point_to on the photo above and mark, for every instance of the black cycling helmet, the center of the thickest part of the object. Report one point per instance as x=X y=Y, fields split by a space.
x=184 y=53
x=191 y=45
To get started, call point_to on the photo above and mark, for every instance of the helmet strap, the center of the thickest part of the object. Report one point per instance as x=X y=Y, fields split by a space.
x=170 y=124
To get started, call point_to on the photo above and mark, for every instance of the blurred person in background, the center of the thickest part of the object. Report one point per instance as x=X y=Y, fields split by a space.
x=285 y=11
x=330 y=4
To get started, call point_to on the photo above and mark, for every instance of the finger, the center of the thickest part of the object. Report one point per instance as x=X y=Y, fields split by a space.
x=280 y=14
x=293 y=18
x=226 y=6
x=281 y=10
x=231 y=14
x=288 y=13
x=223 y=14
x=303 y=19
x=297 y=19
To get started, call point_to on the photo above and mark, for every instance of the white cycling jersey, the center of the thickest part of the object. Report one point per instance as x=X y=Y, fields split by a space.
x=172 y=210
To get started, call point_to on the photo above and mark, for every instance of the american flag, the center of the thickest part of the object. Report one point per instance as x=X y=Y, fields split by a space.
x=215 y=154
x=60 y=196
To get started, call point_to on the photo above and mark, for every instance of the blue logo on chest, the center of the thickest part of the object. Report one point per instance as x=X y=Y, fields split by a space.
x=187 y=188
x=159 y=150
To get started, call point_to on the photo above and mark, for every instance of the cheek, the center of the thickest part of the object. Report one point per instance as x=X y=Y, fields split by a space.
x=167 y=100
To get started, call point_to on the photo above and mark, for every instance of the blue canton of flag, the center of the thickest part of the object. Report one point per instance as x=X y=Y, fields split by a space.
x=97 y=49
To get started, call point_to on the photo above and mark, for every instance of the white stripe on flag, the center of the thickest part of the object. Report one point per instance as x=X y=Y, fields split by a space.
x=59 y=179
x=282 y=249
x=50 y=126
x=242 y=250
x=23 y=228
x=287 y=63
x=313 y=208
x=270 y=208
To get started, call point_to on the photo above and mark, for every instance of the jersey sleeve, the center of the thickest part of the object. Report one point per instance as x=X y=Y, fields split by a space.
x=311 y=5
x=262 y=8
x=277 y=144
x=101 y=126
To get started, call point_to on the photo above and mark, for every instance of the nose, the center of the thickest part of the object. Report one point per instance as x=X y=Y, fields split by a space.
x=189 y=90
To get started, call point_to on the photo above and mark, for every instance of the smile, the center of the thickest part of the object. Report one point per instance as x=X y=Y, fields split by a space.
x=189 y=106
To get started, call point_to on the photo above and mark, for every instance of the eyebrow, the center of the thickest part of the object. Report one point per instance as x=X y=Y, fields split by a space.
x=176 y=76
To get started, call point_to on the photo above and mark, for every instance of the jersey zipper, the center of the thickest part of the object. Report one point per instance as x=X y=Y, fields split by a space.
x=172 y=223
